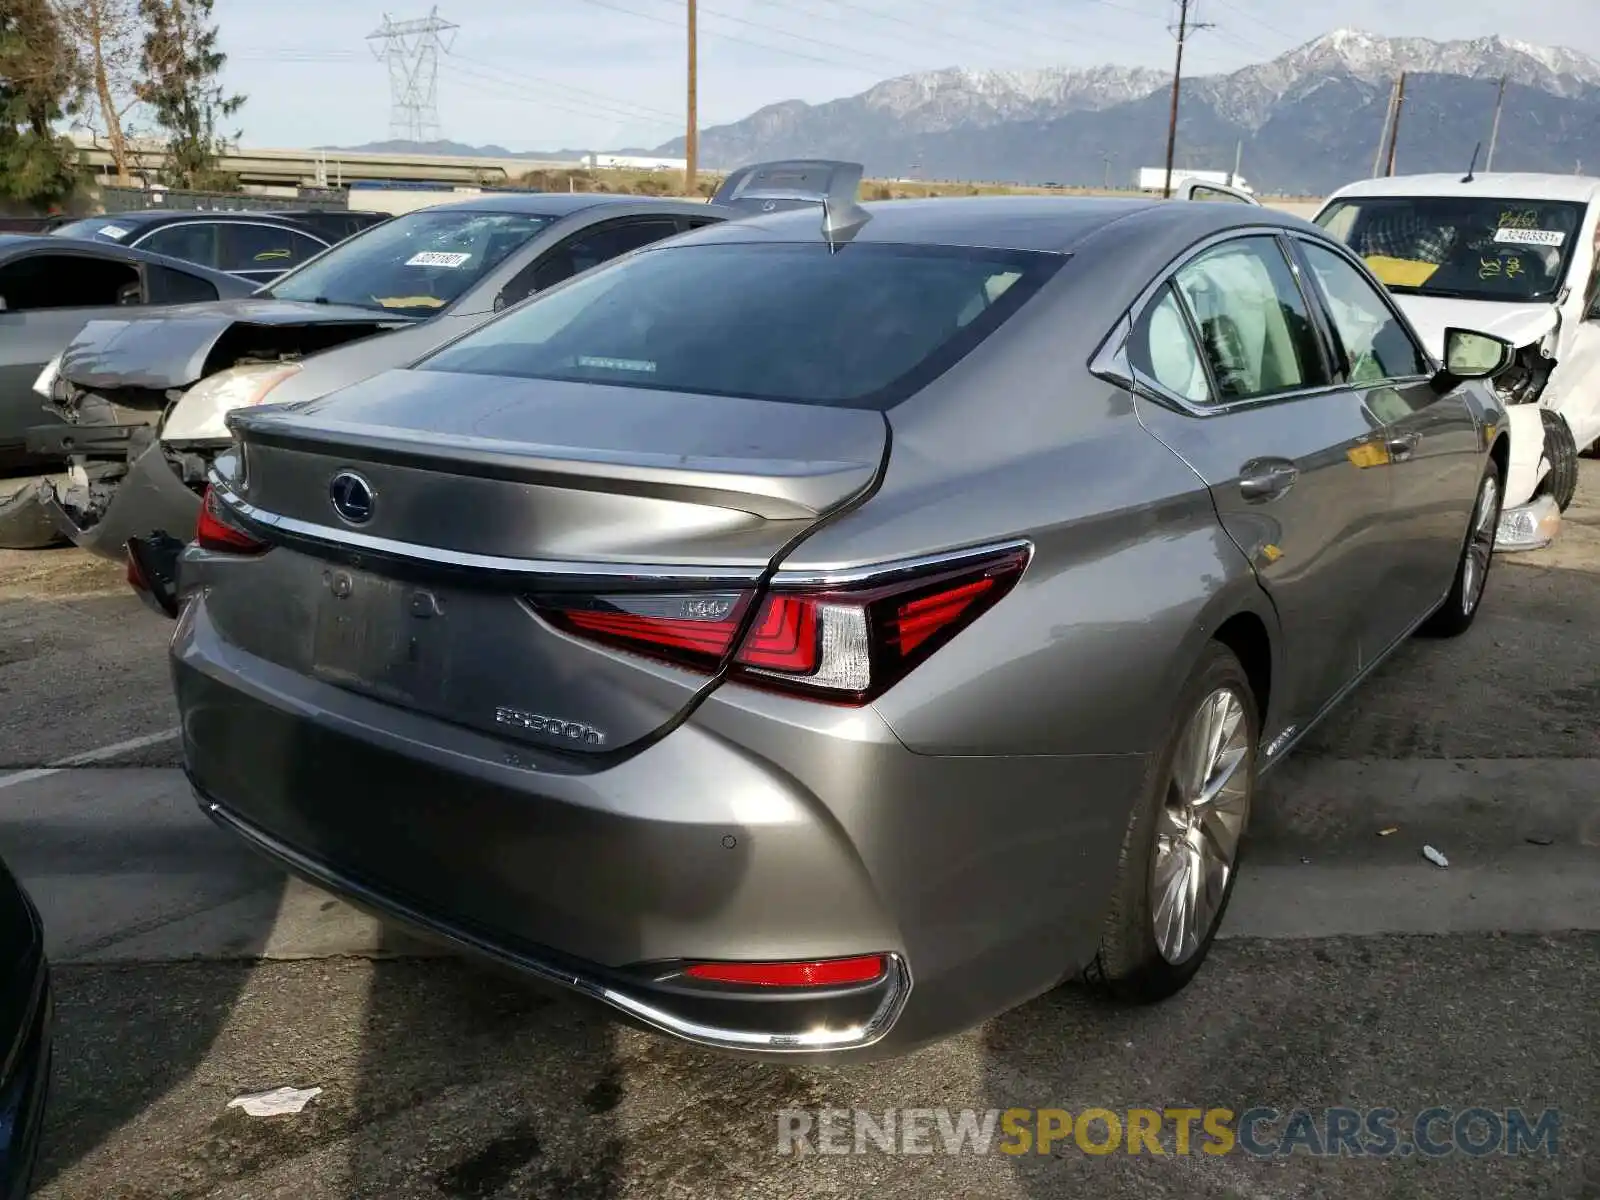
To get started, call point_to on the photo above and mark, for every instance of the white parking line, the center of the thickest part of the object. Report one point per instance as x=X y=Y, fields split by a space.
x=88 y=757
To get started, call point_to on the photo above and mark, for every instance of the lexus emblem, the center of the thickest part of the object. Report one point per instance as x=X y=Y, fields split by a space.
x=352 y=498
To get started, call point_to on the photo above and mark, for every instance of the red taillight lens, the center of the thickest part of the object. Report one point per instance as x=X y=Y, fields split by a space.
x=844 y=644
x=693 y=630
x=831 y=972
x=213 y=531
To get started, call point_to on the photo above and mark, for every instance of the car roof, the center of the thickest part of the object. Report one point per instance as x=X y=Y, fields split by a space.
x=1497 y=185
x=552 y=204
x=1052 y=224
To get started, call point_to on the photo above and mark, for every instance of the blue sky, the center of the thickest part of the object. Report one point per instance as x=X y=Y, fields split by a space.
x=549 y=74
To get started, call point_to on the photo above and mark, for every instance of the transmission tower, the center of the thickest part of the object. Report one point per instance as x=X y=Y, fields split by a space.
x=412 y=49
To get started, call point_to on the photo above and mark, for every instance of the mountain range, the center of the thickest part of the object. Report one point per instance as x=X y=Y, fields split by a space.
x=1305 y=122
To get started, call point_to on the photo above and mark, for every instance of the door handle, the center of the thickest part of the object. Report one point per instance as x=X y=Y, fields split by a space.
x=1267 y=480
x=1401 y=446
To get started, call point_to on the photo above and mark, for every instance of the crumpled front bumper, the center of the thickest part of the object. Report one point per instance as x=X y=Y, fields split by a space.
x=149 y=499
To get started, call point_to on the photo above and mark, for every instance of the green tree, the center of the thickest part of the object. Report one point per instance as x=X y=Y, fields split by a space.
x=38 y=84
x=181 y=65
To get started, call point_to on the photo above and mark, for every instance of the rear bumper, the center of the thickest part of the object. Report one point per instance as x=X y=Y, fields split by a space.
x=737 y=836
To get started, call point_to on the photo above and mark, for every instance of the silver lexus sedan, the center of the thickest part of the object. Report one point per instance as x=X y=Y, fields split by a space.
x=821 y=633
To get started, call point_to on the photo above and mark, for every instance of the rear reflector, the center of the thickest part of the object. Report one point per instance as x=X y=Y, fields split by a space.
x=831 y=972
x=842 y=644
x=213 y=531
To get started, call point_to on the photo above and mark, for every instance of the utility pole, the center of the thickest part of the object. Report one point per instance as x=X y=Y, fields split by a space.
x=1238 y=161
x=1494 y=131
x=1399 y=106
x=1185 y=27
x=1383 y=134
x=691 y=141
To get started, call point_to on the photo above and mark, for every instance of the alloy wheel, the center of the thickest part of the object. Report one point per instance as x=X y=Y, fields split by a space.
x=1480 y=546
x=1199 y=826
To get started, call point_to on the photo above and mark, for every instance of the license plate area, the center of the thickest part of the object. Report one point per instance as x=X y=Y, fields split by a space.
x=381 y=637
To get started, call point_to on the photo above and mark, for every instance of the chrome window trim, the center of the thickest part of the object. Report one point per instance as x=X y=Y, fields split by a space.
x=255 y=224
x=849 y=1038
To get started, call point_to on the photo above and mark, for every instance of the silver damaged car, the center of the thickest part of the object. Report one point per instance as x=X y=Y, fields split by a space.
x=820 y=633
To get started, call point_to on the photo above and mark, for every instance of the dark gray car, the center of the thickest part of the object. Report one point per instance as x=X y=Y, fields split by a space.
x=826 y=631
x=145 y=400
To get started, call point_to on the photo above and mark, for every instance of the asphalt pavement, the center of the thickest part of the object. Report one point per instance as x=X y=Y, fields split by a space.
x=1354 y=974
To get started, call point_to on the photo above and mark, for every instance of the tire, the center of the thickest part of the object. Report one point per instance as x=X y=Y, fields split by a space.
x=24 y=523
x=1460 y=608
x=1132 y=964
x=1559 y=447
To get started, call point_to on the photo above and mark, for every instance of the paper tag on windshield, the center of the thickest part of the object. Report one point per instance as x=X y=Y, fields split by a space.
x=436 y=258
x=616 y=364
x=113 y=231
x=1530 y=237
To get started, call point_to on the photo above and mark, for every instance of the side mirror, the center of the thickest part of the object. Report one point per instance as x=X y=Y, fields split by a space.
x=1469 y=354
x=2 y=304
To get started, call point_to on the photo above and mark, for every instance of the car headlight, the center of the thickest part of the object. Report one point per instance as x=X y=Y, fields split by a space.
x=45 y=384
x=201 y=414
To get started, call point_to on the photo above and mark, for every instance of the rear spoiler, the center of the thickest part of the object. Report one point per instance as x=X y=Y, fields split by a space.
x=798 y=183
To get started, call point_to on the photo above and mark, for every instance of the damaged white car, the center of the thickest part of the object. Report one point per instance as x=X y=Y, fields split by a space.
x=1514 y=255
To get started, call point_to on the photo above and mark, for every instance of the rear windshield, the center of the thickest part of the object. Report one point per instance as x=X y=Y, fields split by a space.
x=416 y=264
x=863 y=326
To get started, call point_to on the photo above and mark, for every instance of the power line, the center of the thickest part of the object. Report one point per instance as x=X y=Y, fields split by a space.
x=729 y=37
x=490 y=85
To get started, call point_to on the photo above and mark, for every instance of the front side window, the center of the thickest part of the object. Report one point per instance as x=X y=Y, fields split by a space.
x=1254 y=326
x=585 y=250
x=1460 y=247
x=416 y=264
x=864 y=326
x=37 y=281
x=1376 y=346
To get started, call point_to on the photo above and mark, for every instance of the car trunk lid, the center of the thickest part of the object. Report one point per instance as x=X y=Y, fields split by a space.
x=486 y=493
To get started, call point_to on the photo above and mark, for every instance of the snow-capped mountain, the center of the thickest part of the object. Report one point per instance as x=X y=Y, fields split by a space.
x=1308 y=119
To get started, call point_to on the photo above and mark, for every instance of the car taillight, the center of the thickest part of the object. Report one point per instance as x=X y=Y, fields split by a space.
x=841 y=643
x=213 y=531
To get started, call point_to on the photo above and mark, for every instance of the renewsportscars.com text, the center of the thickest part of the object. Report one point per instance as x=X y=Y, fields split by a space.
x=1260 y=1132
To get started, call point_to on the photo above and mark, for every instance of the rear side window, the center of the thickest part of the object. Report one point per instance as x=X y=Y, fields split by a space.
x=1162 y=351
x=864 y=326
x=1254 y=326
x=168 y=286
x=265 y=247
x=191 y=241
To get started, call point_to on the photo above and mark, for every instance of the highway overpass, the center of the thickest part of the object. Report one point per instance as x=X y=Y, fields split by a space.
x=265 y=167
